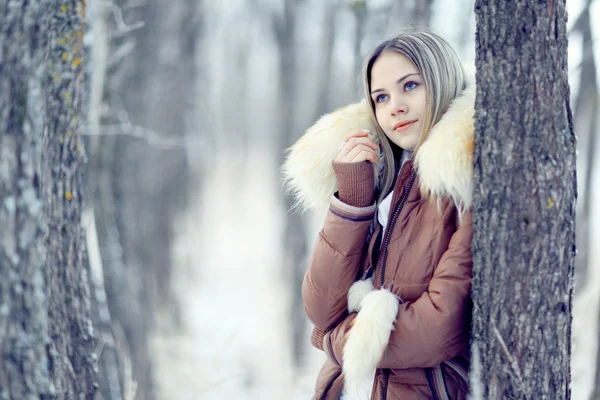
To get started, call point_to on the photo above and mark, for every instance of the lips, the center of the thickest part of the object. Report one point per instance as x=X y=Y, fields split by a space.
x=403 y=125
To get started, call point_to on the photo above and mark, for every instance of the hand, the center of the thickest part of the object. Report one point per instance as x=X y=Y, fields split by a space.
x=358 y=148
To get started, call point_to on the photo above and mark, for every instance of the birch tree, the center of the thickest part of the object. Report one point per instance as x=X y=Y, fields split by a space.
x=47 y=336
x=524 y=202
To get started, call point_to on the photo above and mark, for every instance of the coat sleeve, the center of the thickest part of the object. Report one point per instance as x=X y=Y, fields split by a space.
x=335 y=262
x=435 y=327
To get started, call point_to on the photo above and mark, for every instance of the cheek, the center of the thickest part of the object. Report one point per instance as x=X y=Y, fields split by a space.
x=423 y=102
x=378 y=115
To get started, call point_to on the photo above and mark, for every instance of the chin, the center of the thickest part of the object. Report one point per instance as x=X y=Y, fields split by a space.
x=402 y=142
x=406 y=145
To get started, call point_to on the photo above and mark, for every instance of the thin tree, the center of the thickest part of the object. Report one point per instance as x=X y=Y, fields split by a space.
x=283 y=26
x=524 y=202
x=586 y=125
x=326 y=58
x=585 y=122
x=96 y=62
x=47 y=336
x=422 y=12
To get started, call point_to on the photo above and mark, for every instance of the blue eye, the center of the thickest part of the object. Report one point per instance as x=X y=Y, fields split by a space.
x=381 y=98
x=410 y=86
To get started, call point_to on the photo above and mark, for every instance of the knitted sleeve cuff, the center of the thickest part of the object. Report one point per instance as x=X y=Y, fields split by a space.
x=356 y=182
x=316 y=338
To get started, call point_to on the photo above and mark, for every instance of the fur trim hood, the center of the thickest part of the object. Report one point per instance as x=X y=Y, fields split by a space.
x=444 y=163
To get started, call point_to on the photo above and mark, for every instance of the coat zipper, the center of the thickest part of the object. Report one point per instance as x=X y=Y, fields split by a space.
x=384 y=252
x=390 y=227
x=384 y=385
x=329 y=384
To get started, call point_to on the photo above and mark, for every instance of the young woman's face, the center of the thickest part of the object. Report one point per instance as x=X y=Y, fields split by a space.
x=398 y=92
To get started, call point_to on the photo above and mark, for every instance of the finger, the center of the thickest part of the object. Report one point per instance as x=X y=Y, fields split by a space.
x=357 y=133
x=366 y=155
x=343 y=154
x=347 y=152
x=341 y=157
x=362 y=152
x=351 y=143
x=356 y=150
x=351 y=156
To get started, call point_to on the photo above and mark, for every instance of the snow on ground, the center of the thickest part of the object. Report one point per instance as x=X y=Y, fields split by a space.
x=233 y=295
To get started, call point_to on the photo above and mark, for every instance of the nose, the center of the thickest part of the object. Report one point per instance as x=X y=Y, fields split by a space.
x=399 y=106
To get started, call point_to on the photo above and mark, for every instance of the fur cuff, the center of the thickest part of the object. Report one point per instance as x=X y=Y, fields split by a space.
x=369 y=335
x=357 y=293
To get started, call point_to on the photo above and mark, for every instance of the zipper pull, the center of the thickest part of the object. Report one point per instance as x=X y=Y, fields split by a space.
x=368 y=273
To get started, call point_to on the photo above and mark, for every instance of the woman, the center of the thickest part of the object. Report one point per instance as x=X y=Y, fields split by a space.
x=389 y=279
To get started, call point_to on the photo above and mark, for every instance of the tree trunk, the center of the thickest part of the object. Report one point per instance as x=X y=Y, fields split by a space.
x=70 y=327
x=327 y=60
x=422 y=13
x=24 y=369
x=294 y=239
x=44 y=311
x=109 y=375
x=585 y=123
x=359 y=9
x=524 y=203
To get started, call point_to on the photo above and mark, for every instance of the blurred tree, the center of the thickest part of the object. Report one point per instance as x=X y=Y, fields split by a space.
x=295 y=246
x=359 y=9
x=524 y=203
x=139 y=176
x=586 y=124
x=329 y=23
x=422 y=12
x=47 y=341
x=99 y=19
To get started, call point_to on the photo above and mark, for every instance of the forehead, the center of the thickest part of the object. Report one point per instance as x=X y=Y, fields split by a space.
x=389 y=67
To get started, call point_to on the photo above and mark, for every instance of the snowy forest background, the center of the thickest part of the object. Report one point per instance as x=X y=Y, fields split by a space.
x=195 y=261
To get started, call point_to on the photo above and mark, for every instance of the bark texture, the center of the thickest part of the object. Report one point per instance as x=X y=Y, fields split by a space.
x=24 y=369
x=46 y=332
x=524 y=204
x=70 y=328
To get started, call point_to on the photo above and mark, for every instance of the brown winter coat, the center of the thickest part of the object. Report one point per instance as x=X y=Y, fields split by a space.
x=428 y=267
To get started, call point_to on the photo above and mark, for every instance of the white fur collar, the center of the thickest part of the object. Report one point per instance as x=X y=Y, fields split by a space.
x=444 y=163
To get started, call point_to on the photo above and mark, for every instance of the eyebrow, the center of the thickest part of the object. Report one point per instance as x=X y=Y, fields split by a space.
x=399 y=81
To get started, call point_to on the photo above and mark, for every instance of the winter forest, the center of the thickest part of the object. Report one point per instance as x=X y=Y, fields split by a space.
x=148 y=250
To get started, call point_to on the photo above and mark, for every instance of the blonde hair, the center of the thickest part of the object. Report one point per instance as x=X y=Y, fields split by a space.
x=444 y=78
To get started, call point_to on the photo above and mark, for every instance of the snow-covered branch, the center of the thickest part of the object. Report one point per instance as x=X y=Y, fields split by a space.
x=122 y=28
